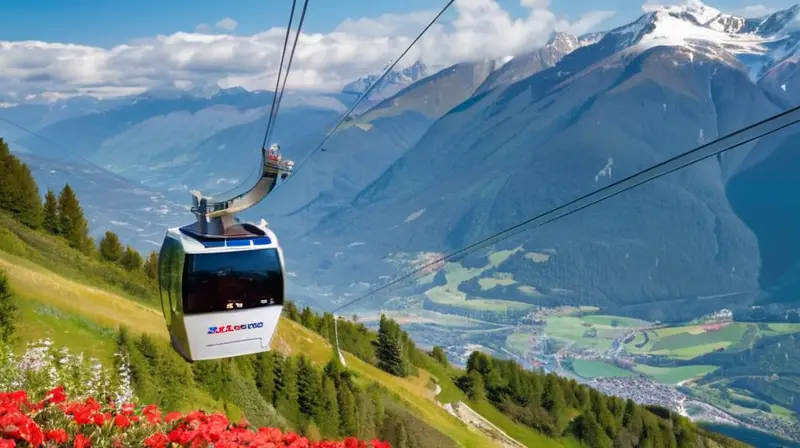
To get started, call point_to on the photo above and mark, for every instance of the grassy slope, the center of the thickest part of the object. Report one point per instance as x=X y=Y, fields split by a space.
x=83 y=316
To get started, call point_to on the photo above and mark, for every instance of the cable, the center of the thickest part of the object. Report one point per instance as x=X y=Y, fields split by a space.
x=56 y=144
x=288 y=68
x=740 y=137
x=369 y=89
x=276 y=95
x=280 y=69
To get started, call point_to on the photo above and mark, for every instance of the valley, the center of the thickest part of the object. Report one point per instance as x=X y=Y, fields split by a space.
x=681 y=293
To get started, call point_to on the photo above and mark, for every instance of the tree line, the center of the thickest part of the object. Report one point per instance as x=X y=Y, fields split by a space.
x=61 y=215
x=271 y=389
x=555 y=406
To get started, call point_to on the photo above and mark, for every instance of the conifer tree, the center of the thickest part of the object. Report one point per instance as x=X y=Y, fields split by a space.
x=390 y=351
x=50 y=221
x=131 y=260
x=287 y=400
x=151 y=266
x=72 y=221
x=19 y=194
x=329 y=419
x=111 y=248
x=307 y=318
x=347 y=411
x=290 y=309
x=553 y=401
x=366 y=415
x=265 y=375
x=309 y=388
x=8 y=309
x=438 y=355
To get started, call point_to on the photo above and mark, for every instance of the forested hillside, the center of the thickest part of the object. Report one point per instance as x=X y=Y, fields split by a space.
x=301 y=384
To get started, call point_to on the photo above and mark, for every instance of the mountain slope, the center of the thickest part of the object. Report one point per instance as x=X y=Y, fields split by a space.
x=139 y=215
x=108 y=310
x=604 y=112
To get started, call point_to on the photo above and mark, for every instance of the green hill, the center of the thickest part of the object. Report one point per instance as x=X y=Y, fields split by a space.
x=102 y=302
x=84 y=315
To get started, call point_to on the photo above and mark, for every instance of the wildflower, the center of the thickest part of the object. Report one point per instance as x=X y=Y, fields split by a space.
x=56 y=436
x=81 y=441
x=195 y=429
x=121 y=421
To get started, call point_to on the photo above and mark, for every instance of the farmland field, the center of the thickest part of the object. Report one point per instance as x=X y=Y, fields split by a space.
x=599 y=319
x=588 y=368
x=674 y=375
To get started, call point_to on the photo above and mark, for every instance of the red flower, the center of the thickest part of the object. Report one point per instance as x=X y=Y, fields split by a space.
x=19 y=396
x=81 y=441
x=98 y=419
x=196 y=429
x=157 y=440
x=121 y=421
x=127 y=408
x=56 y=395
x=57 y=436
x=172 y=416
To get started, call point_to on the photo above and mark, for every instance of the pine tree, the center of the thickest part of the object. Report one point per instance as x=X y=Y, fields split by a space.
x=72 y=221
x=438 y=355
x=8 y=309
x=390 y=352
x=151 y=266
x=19 y=194
x=30 y=207
x=308 y=319
x=50 y=221
x=290 y=309
x=265 y=375
x=348 y=423
x=111 y=248
x=309 y=388
x=553 y=401
x=591 y=432
x=131 y=260
x=366 y=416
x=329 y=419
x=287 y=400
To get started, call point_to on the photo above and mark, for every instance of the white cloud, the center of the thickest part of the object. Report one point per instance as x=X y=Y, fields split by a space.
x=754 y=11
x=481 y=29
x=227 y=24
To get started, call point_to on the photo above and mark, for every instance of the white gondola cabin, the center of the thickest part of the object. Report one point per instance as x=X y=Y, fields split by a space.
x=221 y=282
x=221 y=297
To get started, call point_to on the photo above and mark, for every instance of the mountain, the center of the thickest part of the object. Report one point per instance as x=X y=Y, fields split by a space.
x=525 y=65
x=169 y=140
x=642 y=93
x=394 y=81
x=138 y=215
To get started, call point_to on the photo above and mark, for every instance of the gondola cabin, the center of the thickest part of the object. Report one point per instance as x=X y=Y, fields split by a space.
x=221 y=295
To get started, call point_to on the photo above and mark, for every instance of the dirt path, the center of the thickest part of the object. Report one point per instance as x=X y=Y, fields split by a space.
x=475 y=420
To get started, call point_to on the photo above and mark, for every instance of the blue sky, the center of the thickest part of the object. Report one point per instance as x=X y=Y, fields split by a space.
x=100 y=66
x=111 y=22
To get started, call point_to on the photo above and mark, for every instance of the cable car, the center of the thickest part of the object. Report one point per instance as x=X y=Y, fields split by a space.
x=222 y=281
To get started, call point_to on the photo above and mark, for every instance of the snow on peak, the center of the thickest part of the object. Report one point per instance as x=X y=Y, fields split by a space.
x=692 y=10
x=692 y=25
x=394 y=81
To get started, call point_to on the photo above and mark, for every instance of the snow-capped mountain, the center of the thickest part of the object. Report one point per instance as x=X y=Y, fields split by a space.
x=525 y=65
x=617 y=102
x=757 y=43
x=395 y=81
